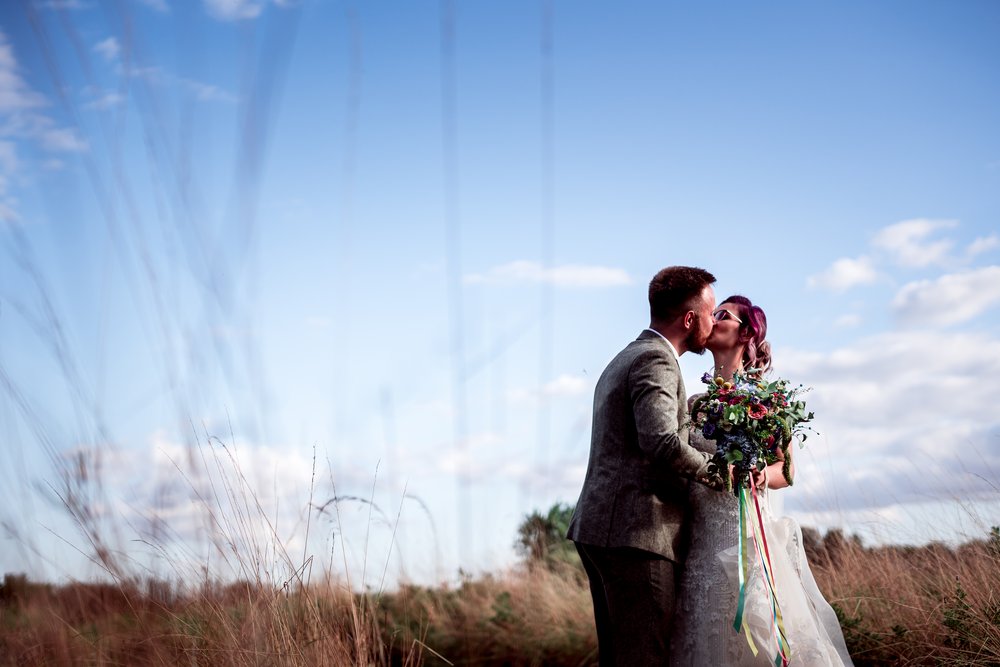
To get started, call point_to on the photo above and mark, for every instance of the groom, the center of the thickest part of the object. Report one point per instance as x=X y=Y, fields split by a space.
x=628 y=520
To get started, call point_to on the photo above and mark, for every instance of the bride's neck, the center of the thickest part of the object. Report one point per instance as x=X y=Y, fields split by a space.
x=728 y=362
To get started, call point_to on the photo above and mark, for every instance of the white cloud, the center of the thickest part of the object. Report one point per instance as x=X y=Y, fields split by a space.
x=63 y=140
x=565 y=385
x=20 y=104
x=152 y=74
x=983 y=244
x=15 y=94
x=567 y=275
x=901 y=419
x=847 y=321
x=844 y=274
x=109 y=48
x=949 y=299
x=108 y=100
x=204 y=92
x=561 y=478
x=472 y=461
x=207 y=92
x=908 y=244
x=234 y=10
x=22 y=120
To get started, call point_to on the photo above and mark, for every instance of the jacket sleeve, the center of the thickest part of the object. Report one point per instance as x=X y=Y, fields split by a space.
x=653 y=382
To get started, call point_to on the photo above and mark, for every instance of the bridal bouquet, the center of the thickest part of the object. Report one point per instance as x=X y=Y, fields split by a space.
x=751 y=420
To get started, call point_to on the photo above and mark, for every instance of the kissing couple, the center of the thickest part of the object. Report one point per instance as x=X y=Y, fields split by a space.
x=655 y=529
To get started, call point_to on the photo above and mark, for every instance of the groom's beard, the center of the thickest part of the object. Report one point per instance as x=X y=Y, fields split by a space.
x=697 y=340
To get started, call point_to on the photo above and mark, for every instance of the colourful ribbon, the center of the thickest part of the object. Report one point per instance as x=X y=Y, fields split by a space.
x=744 y=565
x=764 y=559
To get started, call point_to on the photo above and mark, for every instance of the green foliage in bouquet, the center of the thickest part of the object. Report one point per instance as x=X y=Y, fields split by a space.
x=752 y=420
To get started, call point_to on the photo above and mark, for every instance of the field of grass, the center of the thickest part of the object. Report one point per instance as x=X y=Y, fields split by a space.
x=927 y=605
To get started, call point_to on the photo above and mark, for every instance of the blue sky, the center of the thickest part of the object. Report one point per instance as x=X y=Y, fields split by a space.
x=337 y=227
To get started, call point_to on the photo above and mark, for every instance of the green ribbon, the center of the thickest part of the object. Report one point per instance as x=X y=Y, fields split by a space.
x=744 y=562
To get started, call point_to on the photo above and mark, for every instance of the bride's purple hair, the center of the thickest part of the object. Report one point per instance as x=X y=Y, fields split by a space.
x=754 y=329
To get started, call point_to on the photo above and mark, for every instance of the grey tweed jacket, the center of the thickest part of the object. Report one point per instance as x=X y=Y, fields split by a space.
x=636 y=488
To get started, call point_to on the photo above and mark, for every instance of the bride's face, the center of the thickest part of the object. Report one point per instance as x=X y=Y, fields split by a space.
x=726 y=334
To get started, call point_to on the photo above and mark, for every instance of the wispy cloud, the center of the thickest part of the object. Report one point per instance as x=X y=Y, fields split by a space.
x=982 y=244
x=107 y=100
x=886 y=451
x=566 y=385
x=109 y=48
x=950 y=299
x=234 y=10
x=908 y=244
x=15 y=94
x=567 y=275
x=847 y=321
x=207 y=92
x=202 y=91
x=844 y=274
x=63 y=140
x=23 y=121
x=472 y=461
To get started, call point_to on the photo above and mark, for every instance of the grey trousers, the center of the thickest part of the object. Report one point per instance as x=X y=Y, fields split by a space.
x=633 y=592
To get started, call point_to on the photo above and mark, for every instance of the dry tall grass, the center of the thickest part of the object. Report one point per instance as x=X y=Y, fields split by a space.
x=152 y=623
x=926 y=605
x=930 y=605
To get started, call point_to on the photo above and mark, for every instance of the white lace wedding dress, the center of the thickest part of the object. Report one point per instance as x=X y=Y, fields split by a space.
x=706 y=600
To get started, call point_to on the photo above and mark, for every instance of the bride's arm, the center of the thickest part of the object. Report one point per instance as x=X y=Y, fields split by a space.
x=775 y=478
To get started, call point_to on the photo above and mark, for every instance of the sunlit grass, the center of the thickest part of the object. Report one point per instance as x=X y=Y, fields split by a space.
x=925 y=605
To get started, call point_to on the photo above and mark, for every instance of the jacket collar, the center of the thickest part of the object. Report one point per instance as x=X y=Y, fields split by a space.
x=650 y=334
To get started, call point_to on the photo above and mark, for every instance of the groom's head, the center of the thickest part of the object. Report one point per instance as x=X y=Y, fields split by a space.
x=681 y=301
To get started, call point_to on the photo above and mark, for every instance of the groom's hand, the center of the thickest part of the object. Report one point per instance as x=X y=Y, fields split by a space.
x=714 y=478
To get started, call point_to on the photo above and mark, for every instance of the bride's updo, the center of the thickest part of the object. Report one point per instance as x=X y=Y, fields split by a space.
x=757 y=354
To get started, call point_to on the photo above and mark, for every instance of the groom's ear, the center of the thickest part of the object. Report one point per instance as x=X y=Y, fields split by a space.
x=689 y=319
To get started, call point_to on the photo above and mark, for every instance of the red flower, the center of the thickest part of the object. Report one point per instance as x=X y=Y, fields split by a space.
x=756 y=411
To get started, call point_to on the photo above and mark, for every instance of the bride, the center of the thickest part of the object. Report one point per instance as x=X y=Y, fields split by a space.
x=706 y=602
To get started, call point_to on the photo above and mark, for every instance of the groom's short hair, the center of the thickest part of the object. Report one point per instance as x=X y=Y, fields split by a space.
x=673 y=290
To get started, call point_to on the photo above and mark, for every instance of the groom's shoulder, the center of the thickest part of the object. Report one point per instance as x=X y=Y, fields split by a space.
x=652 y=345
x=648 y=347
